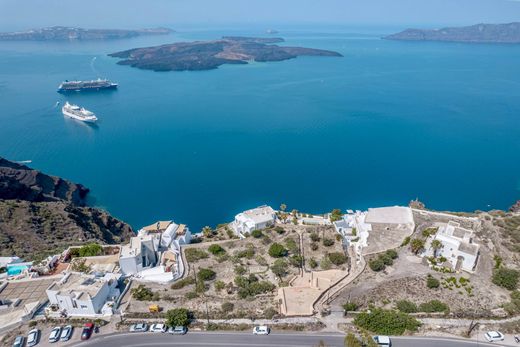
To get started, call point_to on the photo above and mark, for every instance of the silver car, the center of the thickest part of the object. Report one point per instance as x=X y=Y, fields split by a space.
x=66 y=333
x=139 y=328
x=55 y=335
x=19 y=341
x=33 y=338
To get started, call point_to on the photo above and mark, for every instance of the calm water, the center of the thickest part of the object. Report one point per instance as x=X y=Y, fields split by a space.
x=389 y=122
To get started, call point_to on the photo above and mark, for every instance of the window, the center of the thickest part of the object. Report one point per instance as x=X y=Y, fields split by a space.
x=84 y=306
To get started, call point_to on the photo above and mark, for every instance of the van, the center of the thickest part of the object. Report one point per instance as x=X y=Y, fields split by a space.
x=261 y=330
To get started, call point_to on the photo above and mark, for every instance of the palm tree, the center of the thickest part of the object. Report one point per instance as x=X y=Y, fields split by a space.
x=436 y=245
x=283 y=207
x=207 y=231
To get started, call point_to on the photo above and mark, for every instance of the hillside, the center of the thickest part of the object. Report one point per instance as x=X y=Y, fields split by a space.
x=479 y=33
x=42 y=214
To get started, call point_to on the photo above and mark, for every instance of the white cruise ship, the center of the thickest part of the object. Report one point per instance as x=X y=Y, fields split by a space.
x=79 y=113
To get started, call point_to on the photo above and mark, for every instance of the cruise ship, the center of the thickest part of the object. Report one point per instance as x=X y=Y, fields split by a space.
x=79 y=113
x=94 y=85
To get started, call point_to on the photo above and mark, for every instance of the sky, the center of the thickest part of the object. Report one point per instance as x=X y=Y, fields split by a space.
x=23 y=14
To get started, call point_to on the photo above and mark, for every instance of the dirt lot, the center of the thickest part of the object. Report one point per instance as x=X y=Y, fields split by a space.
x=406 y=278
x=249 y=259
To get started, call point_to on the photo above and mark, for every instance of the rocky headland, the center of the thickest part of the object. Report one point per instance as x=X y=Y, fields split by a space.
x=206 y=55
x=60 y=33
x=42 y=215
x=479 y=33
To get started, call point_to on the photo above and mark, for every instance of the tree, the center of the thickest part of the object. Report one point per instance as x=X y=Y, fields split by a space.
x=216 y=249
x=143 y=293
x=350 y=306
x=277 y=250
x=416 y=245
x=436 y=245
x=336 y=215
x=283 y=207
x=206 y=274
x=337 y=258
x=406 y=306
x=257 y=234
x=279 y=268
x=506 y=277
x=207 y=231
x=376 y=264
x=178 y=317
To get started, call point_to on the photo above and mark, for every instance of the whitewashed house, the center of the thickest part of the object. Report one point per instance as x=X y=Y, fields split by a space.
x=353 y=228
x=254 y=219
x=457 y=246
x=80 y=295
x=154 y=255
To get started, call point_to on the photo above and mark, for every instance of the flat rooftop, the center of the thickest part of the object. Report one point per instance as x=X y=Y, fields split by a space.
x=390 y=215
x=79 y=284
x=26 y=290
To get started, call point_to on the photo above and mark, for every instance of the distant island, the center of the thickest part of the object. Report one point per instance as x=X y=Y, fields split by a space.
x=479 y=33
x=206 y=55
x=60 y=33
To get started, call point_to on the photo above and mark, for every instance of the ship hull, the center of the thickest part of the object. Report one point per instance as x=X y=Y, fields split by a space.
x=73 y=116
x=88 y=89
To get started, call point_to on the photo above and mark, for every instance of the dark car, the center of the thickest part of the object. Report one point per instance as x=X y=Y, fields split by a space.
x=87 y=331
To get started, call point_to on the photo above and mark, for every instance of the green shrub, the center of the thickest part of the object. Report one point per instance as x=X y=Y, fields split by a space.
x=178 y=317
x=206 y=274
x=328 y=242
x=313 y=263
x=195 y=254
x=314 y=246
x=296 y=260
x=392 y=253
x=257 y=234
x=350 y=306
x=416 y=245
x=183 y=283
x=376 y=265
x=336 y=215
x=432 y=282
x=191 y=295
x=219 y=285
x=227 y=307
x=240 y=270
x=434 y=306
x=352 y=341
x=250 y=286
x=216 y=249
x=276 y=250
x=315 y=237
x=143 y=293
x=386 y=322
x=386 y=259
x=337 y=258
x=406 y=241
x=506 y=277
x=90 y=250
x=325 y=264
x=279 y=268
x=406 y=306
x=498 y=261
x=279 y=229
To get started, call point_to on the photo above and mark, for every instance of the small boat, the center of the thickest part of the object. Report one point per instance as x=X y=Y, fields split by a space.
x=78 y=113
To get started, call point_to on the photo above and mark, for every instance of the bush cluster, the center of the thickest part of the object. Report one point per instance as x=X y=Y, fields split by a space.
x=194 y=254
x=383 y=260
x=386 y=322
x=251 y=286
x=432 y=282
x=216 y=249
x=337 y=258
x=506 y=277
x=206 y=274
x=276 y=250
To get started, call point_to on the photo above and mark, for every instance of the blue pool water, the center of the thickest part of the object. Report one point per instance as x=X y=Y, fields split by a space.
x=388 y=122
x=14 y=270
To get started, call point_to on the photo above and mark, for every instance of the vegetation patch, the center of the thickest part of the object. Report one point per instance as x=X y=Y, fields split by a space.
x=195 y=254
x=386 y=322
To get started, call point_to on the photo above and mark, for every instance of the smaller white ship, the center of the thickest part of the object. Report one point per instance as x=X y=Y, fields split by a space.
x=79 y=113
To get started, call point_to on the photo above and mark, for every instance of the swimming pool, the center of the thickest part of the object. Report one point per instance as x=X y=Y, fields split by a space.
x=14 y=270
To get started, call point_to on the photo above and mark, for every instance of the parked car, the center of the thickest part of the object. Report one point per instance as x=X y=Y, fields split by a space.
x=517 y=339
x=139 y=328
x=33 y=337
x=54 y=336
x=19 y=341
x=87 y=331
x=382 y=340
x=180 y=330
x=158 y=328
x=493 y=336
x=66 y=333
x=261 y=330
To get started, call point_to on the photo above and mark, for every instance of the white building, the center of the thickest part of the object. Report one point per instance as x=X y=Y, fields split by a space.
x=82 y=295
x=154 y=254
x=254 y=219
x=139 y=254
x=457 y=246
x=352 y=227
x=390 y=218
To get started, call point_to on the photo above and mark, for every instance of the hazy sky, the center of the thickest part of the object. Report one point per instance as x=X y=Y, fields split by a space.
x=18 y=14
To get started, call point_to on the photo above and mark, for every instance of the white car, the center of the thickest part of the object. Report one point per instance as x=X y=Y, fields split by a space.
x=55 y=335
x=66 y=333
x=493 y=336
x=261 y=330
x=382 y=340
x=158 y=328
x=139 y=328
x=33 y=338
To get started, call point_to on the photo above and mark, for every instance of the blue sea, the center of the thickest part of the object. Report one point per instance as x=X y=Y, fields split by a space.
x=387 y=123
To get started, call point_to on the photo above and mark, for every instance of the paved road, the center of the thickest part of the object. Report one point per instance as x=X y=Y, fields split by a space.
x=204 y=339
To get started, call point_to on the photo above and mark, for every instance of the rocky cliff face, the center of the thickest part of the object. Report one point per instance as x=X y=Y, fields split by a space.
x=479 y=33
x=23 y=183
x=515 y=207
x=42 y=215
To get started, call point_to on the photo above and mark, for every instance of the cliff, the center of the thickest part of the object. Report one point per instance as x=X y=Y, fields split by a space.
x=42 y=215
x=59 y=33
x=206 y=55
x=479 y=33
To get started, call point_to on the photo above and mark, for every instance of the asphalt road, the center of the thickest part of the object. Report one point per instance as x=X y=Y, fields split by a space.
x=204 y=339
